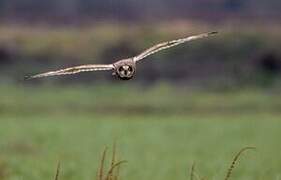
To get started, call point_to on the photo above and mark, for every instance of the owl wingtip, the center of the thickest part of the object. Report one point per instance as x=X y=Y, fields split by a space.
x=27 y=77
x=213 y=33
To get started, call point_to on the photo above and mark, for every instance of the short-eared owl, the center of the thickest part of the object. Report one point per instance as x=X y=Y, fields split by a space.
x=125 y=69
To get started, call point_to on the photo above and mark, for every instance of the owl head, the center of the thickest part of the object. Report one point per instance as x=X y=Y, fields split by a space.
x=125 y=69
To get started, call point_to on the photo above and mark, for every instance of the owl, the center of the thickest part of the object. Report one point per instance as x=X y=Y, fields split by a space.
x=124 y=69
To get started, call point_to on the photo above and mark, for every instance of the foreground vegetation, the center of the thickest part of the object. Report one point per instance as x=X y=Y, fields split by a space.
x=113 y=171
x=159 y=131
x=156 y=147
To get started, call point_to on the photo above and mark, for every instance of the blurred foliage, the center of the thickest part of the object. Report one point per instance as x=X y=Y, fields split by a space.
x=233 y=58
x=131 y=99
x=77 y=11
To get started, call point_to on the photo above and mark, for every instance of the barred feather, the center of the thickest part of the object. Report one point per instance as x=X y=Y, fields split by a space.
x=169 y=44
x=74 y=70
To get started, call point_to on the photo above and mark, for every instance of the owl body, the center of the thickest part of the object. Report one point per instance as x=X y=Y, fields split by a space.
x=125 y=69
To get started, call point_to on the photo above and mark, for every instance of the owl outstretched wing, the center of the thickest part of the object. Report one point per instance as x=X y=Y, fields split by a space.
x=169 y=44
x=74 y=70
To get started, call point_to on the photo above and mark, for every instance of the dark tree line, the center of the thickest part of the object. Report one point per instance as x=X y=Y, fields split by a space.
x=127 y=10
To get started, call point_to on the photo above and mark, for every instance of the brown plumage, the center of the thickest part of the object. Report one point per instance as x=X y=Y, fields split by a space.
x=125 y=69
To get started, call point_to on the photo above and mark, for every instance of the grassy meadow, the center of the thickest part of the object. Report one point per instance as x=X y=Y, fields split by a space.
x=159 y=130
x=223 y=96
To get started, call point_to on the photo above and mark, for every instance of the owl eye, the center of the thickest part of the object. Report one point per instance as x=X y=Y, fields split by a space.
x=130 y=68
x=121 y=69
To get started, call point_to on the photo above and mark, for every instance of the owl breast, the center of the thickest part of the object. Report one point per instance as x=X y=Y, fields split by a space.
x=125 y=69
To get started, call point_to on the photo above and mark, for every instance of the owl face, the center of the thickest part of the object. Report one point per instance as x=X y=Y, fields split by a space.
x=125 y=69
x=125 y=72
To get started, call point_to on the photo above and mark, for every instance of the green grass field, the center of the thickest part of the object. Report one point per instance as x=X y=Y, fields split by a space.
x=160 y=131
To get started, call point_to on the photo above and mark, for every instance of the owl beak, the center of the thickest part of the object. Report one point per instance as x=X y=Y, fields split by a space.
x=126 y=68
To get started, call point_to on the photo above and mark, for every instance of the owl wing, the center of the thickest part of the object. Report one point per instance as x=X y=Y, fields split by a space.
x=169 y=44
x=74 y=70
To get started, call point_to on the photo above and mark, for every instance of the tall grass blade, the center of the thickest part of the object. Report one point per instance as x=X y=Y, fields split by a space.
x=101 y=170
x=192 y=171
x=58 y=172
x=232 y=166
x=112 y=169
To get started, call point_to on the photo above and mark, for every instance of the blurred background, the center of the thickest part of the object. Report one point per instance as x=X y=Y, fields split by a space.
x=201 y=101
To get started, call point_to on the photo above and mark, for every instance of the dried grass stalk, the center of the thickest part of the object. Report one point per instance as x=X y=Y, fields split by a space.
x=101 y=170
x=113 y=172
x=192 y=171
x=232 y=166
x=58 y=172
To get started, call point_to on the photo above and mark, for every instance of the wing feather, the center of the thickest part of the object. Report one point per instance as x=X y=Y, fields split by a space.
x=169 y=44
x=74 y=70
